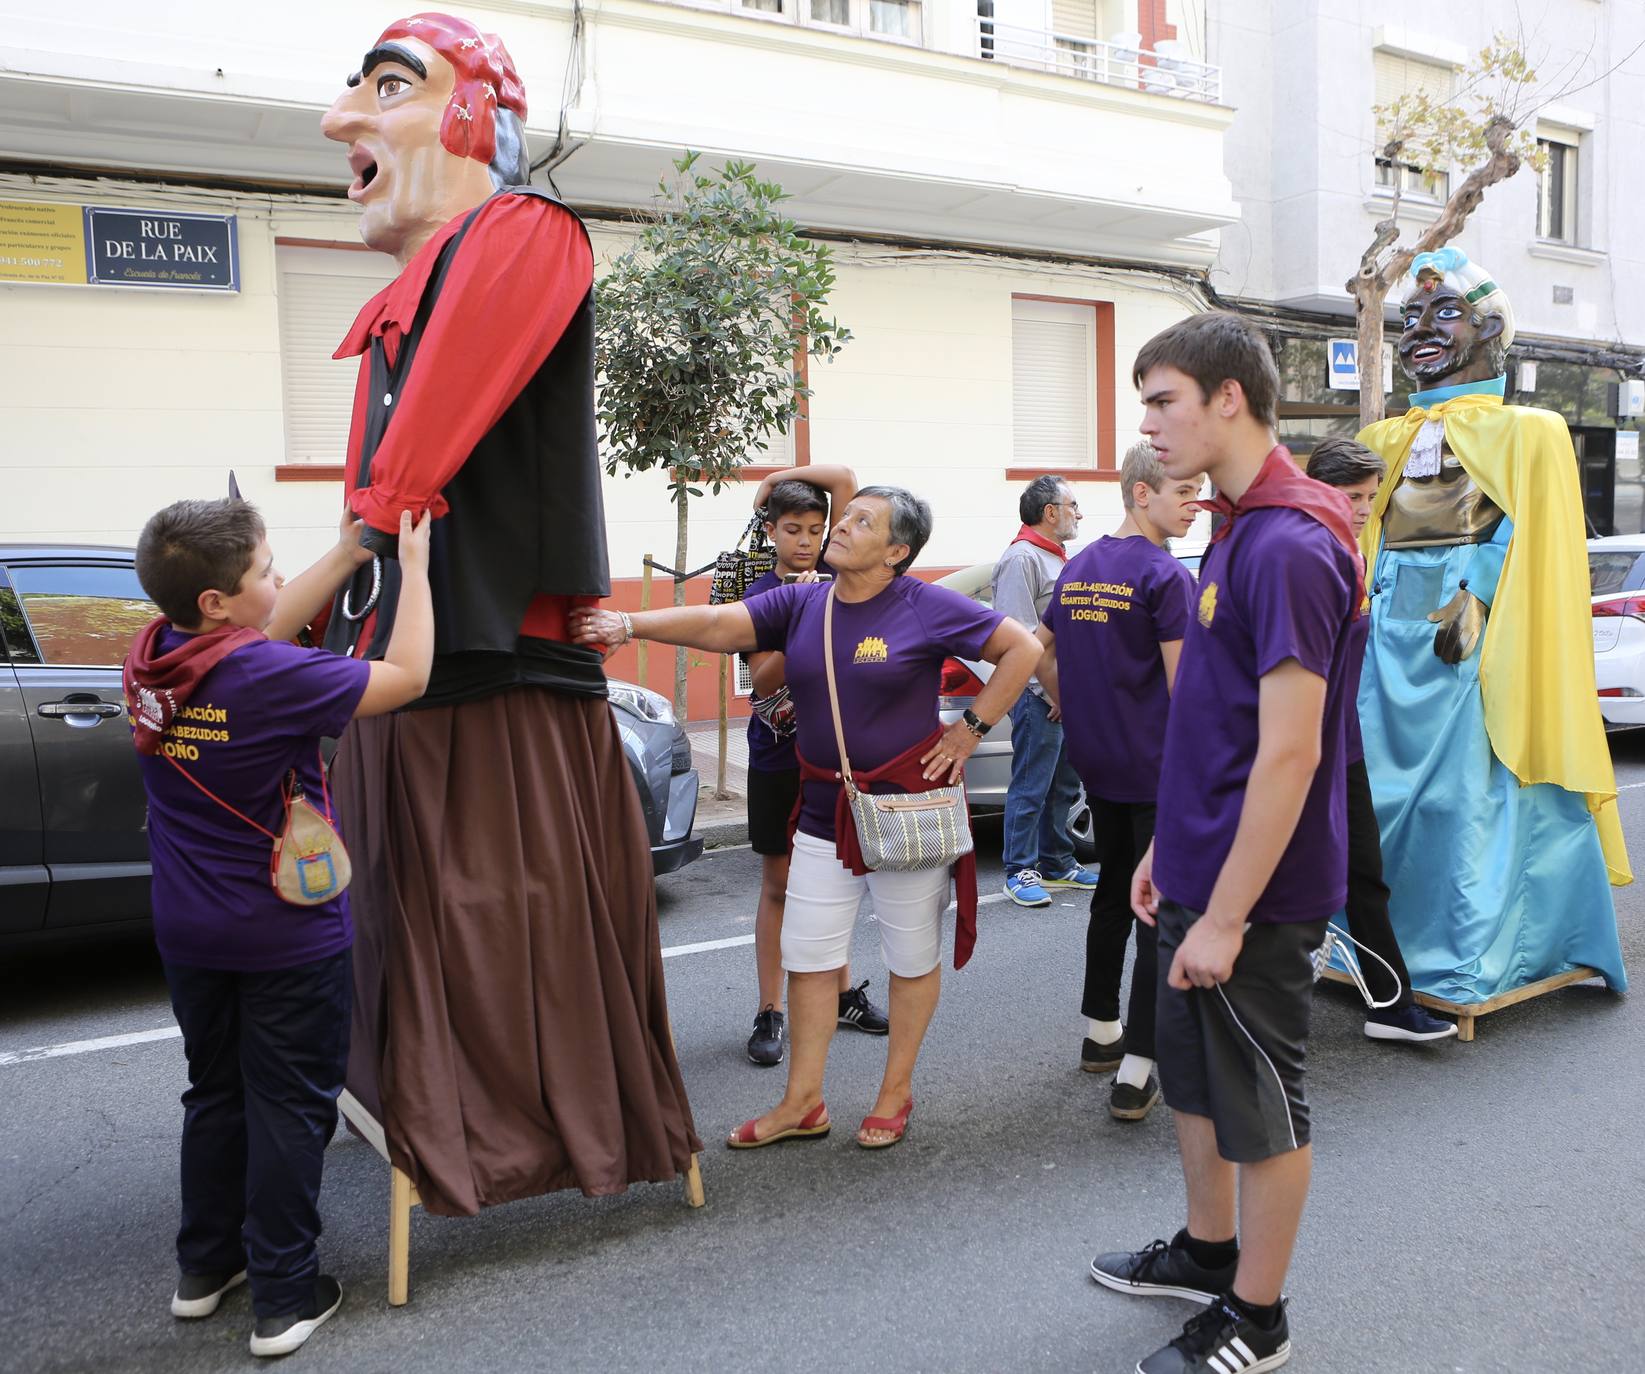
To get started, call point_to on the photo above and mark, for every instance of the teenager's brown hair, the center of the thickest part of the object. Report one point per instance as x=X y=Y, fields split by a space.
x=1339 y=461
x=196 y=546
x=1214 y=348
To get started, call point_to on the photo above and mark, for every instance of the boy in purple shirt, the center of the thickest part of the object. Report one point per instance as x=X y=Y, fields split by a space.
x=1112 y=632
x=226 y=715
x=796 y=502
x=1250 y=853
x=1357 y=472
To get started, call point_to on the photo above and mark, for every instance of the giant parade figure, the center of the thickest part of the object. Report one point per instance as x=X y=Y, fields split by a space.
x=1487 y=755
x=510 y=1027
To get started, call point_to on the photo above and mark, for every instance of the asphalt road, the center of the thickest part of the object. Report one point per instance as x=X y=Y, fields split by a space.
x=1475 y=1207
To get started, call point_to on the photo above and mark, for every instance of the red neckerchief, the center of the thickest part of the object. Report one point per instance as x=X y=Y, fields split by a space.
x=908 y=774
x=1039 y=541
x=1280 y=482
x=158 y=686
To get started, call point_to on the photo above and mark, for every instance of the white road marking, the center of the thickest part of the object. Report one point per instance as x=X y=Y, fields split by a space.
x=115 y=1042
x=1629 y=786
x=103 y=1042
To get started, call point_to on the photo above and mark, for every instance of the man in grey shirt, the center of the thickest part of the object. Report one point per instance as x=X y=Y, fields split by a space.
x=1038 y=852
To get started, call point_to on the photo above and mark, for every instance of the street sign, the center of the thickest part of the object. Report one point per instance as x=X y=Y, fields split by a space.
x=161 y=248
x=1342 y=365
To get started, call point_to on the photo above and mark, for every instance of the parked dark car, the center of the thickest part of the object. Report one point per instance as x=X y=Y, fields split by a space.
x=73 y=818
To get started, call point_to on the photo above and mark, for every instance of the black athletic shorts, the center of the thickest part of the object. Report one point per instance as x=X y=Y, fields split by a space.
x=771 y=798
x=1234 y=1053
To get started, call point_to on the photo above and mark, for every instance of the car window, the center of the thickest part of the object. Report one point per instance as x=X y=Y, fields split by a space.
x=82 y=614
x=1608 y=571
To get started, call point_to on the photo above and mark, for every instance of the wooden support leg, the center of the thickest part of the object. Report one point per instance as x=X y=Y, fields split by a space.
x=694 y=1184
x=1465 y=1027
x=401 y=1196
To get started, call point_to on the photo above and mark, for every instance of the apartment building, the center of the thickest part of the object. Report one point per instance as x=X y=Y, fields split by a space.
x=1020 y=193
x=1305 y=76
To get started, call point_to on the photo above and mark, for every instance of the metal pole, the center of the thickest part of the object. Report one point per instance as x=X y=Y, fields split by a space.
x=645 y=605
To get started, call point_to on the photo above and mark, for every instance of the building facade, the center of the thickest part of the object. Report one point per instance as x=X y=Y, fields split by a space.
x=1305 y=76
x=1020 y=193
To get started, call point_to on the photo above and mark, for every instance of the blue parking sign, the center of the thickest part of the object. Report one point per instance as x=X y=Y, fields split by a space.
x=1342 y=364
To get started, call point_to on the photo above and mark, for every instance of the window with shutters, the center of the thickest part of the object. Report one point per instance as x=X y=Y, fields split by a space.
x=1062 y=388
x=1396 y=76
x=1556 y=184
x=321 y=290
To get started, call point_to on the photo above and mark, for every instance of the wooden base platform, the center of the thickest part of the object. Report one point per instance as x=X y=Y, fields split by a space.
x=1467 y=1013
x=402 y=1197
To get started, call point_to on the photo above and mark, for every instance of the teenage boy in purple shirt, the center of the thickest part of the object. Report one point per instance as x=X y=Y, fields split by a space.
x=1112 y=632
x=797 y=502
x=1357 y=471
x=225 y=710
x=1250 y=853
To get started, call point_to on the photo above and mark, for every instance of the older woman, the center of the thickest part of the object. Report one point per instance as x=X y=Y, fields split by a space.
x=891 y=635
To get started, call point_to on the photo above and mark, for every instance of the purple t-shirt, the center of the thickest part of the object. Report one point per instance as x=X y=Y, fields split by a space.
x=259 y=713
x=1115 y=603
x=765 y=751
x=1359 y=635
x=1278 y=587
x=888 y=656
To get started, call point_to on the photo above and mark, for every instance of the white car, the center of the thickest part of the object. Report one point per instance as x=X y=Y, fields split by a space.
x=1616 y=576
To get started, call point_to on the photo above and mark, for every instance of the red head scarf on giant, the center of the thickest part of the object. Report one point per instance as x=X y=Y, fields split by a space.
x=486 y=78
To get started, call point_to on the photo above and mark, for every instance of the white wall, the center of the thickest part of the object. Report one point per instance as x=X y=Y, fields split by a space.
x=116 y=402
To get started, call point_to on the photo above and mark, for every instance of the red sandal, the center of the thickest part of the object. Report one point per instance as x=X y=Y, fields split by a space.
x=813 y=1126
x=898 y=1123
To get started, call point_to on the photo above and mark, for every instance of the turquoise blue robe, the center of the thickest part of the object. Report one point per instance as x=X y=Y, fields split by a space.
x=1493 y=885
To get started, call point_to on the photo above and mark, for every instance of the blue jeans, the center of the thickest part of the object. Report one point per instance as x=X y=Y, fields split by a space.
x=1043 y=789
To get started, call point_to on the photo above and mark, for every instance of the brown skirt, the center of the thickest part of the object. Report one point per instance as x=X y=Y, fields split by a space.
x=510 y=1022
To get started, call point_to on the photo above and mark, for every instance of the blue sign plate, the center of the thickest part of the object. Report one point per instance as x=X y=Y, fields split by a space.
x=161 y=248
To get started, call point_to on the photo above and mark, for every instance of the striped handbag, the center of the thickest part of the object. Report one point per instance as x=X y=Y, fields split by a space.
x=905 y=831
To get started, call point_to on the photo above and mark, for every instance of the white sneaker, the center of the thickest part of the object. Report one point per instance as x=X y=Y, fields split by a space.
x=282 y=1335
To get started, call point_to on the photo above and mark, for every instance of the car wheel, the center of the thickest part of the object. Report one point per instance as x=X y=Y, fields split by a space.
x=1082 y=831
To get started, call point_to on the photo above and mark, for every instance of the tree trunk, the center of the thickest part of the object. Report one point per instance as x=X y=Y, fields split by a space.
x=681 y=515
x=1368 y=298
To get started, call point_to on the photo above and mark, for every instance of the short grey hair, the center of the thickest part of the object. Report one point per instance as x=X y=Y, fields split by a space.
x=1037 y=495
x=1141 y=464
x=910 y=520
x=510 y=165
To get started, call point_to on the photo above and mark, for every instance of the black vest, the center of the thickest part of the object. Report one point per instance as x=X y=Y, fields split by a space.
x=526 y=517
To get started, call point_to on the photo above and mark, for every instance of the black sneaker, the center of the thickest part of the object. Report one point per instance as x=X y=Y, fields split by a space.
x=1163 y=1270
x=1126 y=1103
x=765 y=1046
x=1410 y=1023
x=1224 y=1340
x=282 y=1335
x=1096 y=1057
x=197 y=1295
x=856 y=1010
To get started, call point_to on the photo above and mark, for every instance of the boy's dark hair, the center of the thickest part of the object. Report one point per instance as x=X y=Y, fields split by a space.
x=196 y=546
x=1343 y=462
x=1213 y=348
x=794 y=497
x=1036 y=496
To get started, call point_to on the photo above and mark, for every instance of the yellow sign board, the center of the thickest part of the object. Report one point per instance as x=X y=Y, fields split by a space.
x=42 y=243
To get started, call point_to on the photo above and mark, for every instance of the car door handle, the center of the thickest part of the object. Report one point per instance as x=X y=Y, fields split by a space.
x=59 y=709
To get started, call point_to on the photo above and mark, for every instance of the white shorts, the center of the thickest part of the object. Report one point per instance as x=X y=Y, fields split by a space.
x=821 y=911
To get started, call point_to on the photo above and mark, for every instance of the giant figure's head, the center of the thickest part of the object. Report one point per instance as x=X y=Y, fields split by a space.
x=1458 y=323
x=434 y=122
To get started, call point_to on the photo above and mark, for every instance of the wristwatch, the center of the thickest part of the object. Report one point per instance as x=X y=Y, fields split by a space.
x=975 y=723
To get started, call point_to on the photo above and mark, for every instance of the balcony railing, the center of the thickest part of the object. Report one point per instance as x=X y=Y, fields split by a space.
x=1160 y=70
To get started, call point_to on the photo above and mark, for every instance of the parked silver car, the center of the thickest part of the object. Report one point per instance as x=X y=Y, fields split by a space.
x=73 y=817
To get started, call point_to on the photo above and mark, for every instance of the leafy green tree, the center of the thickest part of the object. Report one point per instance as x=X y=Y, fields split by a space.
x=698 y=327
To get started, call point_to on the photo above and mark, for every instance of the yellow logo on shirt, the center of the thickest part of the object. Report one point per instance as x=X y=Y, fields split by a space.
x=1208 y=604
x=871 y=650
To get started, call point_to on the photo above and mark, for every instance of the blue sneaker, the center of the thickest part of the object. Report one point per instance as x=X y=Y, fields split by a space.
x=1025 y=890
x=1078 y=876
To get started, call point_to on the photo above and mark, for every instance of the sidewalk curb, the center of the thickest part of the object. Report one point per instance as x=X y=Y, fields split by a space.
x=723 y=834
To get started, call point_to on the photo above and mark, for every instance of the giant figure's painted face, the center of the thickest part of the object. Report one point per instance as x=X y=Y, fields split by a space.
x=1444 y=339
x=419 y=119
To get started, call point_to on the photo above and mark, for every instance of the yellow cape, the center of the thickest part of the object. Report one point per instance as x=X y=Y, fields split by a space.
x=1536 y=666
